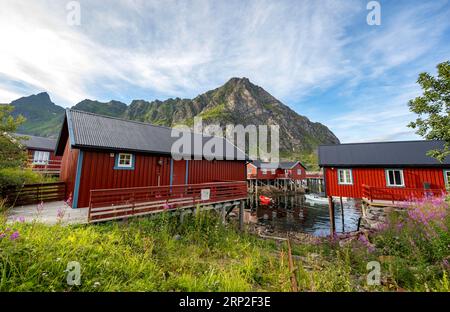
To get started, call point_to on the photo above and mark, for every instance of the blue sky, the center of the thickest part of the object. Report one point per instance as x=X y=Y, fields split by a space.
x=319 y=57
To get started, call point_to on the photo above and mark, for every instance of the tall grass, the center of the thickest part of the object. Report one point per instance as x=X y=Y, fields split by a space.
x=161 y=253
x=148 y=254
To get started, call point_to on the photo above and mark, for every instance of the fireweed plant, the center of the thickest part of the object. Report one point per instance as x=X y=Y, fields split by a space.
x=161 y=253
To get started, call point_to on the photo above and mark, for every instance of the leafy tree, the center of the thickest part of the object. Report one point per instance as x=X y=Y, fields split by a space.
x=433 y=108
x=12 y=153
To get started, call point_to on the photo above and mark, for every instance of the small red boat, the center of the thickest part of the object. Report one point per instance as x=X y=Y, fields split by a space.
x=265 y=200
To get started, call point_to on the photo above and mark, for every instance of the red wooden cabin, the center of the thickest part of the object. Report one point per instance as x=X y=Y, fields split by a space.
x=272 y=171
x=394 y=171
x=41 y=154
x=120 y=159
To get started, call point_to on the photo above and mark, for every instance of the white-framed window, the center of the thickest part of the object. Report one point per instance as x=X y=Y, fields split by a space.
x=345 y=176
x=394 y=177
x=447 y=178
x=273 y=171
x=41 y=157
x=264 y=171
x=249 y=170
x=299 y=171
x=125 y=160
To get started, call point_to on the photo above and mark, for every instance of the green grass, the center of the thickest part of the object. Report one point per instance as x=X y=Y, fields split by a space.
x=140 y=255
x=201 y=254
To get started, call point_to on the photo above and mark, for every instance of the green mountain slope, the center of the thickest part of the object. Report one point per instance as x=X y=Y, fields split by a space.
x=44 y=117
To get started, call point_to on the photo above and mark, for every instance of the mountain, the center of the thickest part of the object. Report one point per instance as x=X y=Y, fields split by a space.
x=44 y=117
x=237 y=102
x=112 y=108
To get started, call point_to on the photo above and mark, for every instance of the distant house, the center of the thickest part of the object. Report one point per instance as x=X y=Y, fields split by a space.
x=106 y=153
x=41 y=154
x=272 y=171
x=384 y=170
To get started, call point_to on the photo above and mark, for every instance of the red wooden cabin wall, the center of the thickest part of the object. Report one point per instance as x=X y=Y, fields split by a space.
x=414 y=178
x=201 y=171
x=98 y=173
x=69 y=168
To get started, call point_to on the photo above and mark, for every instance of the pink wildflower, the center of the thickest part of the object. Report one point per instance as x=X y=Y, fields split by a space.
x=14 y=235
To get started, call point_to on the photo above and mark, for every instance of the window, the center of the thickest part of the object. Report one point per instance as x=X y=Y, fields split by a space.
x=273 y=171
x=249 y=170
x=394 y=177
x=41 y=158
x=299 y=171
x=345 y=176
x=447 y=178
x=264 y=171
x=124 y=161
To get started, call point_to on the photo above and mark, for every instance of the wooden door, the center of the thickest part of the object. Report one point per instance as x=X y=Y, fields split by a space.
x=178 y=172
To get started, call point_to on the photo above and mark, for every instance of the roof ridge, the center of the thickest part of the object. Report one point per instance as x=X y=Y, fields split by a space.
x=117 y=118
x=381 y=142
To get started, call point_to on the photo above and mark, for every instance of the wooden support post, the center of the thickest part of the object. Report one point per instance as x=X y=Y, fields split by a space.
x=224 y=214
x=342 y=216
x=331 y=212
x=241 y=215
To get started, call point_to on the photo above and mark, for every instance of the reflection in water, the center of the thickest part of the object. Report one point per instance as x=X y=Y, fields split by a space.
x=294 y=213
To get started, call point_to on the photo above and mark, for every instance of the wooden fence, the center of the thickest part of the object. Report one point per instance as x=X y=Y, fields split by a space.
x=108 y=204
x=35 y=193
x=50 y=167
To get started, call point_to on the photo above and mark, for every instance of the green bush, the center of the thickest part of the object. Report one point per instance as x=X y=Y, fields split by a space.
x=13 y=177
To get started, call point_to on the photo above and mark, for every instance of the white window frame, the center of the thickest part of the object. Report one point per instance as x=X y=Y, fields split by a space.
x=447 y=178
x=130 y=165
x=299 y=171
x=264 y=171
x=41 y=157
x=345 y=182
x=249 y=170
x=273 y=171
x=402 y=178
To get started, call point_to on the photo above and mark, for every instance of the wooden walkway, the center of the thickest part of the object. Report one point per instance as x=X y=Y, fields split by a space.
x=110 y=204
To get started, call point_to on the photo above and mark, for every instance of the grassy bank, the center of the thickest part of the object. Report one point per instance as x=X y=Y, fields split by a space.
x=201 y=254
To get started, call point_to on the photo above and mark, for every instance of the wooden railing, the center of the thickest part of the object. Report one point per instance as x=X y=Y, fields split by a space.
x=108 y=204
x=314 y=174
x=50 y=167
x=35 y=193
x=394 y=194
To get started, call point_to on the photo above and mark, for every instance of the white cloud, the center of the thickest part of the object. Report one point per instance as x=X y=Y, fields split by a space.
x=171 y=48
x=293 y=49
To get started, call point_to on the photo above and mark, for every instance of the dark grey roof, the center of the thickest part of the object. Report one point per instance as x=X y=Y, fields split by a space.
x=38 y=143
x=87 y=130
x=274 y=165
x=402 y=153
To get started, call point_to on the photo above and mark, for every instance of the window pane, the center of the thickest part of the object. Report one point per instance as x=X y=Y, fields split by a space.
x=391 y=177
x=397 y=177
x=125 y=160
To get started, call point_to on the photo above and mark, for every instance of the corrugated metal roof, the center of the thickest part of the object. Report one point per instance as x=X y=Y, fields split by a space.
x=103 y=132
x=402 y=153
x=39 y=143
x=274 y=165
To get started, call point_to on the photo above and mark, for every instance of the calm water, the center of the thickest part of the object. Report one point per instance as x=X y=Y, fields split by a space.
x=295 y=213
